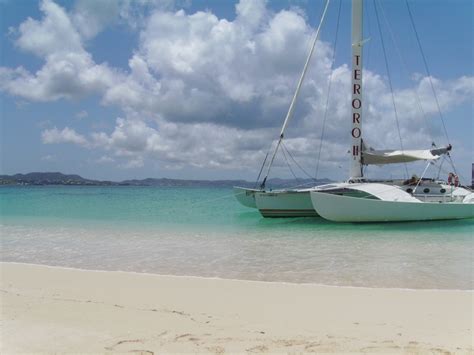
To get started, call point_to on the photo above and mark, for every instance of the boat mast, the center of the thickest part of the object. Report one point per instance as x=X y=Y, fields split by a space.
x=295 y=96
x=356 y=87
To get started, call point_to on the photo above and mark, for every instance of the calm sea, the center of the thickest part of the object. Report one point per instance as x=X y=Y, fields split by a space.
x=206 y=232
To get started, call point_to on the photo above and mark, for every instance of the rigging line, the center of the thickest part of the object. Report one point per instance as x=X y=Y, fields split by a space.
x=305 y=184
x=368 y=51
x=263 y=165
x=461 y=177
x=302 y=184
x=445 y=171
x=366 y=16
x=366 y=62
x=296 y=163
x=288 y=164
x=197 y=203
x=323 y=129
x=427 y=70
x=404 y=64
x=452 y=163
x=440 y=166
x=390 y=82
x=421 y=177
x=295 y=96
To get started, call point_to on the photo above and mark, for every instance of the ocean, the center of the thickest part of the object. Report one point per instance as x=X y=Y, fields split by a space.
x=205 y=232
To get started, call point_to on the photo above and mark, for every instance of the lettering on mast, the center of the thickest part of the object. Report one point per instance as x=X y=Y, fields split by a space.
x=356 y=106
x=356 y=91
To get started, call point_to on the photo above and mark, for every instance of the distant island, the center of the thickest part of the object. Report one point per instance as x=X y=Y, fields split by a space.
x=56 y=178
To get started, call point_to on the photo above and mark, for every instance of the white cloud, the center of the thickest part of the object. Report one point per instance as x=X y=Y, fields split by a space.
x=91 y=16
x=250 y=13
x=198 y=68
x=66 y=135
x=55 y=33
x=133 y=163
x=68 y=76
x=208 y=92
x=69 y=71
x=104 y=159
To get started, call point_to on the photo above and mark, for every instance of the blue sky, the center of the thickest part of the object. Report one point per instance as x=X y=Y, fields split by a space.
x=118 y=89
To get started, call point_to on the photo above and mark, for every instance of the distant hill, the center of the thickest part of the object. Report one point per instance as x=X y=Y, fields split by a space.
x=48 y=179
x=56 y=178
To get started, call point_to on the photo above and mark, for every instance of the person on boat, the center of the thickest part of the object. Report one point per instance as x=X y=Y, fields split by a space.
x=412 y=181
x=453 y=179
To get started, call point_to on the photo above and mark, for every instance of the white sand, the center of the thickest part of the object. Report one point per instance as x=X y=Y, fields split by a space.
x=46 y=309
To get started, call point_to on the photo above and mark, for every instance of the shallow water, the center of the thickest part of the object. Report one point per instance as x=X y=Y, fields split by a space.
x=205 y=232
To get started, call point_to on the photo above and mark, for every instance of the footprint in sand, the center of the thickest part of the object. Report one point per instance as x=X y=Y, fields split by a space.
x=257 y=349
x=216 y=349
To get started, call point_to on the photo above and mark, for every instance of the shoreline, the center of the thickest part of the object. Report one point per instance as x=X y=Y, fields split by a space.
x=236 y=280
x=55 y=309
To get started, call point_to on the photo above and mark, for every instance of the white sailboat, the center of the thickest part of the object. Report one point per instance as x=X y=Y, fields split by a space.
x=285 y=202
x=360 y=200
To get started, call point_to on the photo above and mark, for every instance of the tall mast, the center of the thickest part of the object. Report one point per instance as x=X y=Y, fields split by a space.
x=295 y=96
x=356 y=87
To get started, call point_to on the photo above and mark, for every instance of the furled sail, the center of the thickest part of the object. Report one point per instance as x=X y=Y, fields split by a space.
x=371 y=156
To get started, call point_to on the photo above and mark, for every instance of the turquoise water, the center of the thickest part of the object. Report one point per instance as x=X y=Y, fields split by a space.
x=206 y=232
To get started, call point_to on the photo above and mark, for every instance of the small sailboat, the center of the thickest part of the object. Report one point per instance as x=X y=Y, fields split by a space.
x=285 y=202
x=361 y=200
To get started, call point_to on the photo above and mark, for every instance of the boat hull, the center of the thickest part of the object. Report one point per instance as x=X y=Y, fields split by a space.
x=351 y=209
x=245 y=196
x=281 y=204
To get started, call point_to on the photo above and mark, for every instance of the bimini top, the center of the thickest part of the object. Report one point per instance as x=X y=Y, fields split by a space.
x=371 y=156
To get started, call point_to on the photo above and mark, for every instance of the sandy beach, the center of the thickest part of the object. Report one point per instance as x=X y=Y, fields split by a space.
x=50 y=309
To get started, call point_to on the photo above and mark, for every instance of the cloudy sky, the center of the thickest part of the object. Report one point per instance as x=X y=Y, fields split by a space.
x=115 y=89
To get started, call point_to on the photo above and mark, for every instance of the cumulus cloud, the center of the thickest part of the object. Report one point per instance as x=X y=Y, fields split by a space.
x=53 y=34
x=177 y=144
x=66 y=135
x=69 y=71
x=90 y=17
x=205 y=91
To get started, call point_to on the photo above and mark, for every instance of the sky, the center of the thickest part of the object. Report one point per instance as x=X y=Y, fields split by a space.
x=199 y=89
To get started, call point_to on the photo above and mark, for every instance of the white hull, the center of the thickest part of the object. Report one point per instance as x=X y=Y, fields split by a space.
x=351 y=209
x=288 y=203
x=245 y=196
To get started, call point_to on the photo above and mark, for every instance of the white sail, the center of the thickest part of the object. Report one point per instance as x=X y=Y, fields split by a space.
x=372 y=156
x=382 y=157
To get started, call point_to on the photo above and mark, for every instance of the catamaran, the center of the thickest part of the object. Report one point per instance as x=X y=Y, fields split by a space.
x=359 y=199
